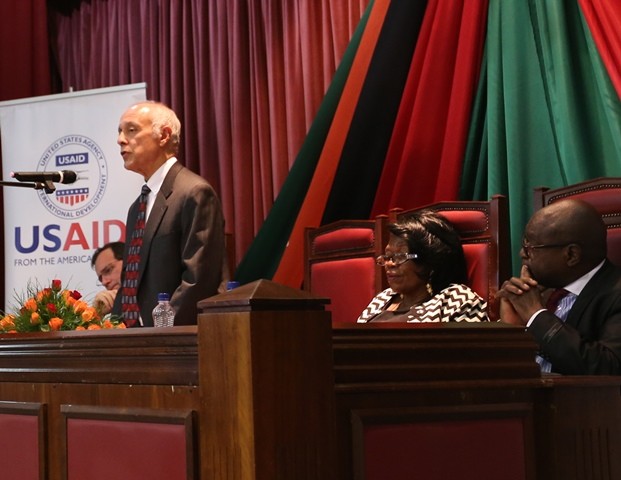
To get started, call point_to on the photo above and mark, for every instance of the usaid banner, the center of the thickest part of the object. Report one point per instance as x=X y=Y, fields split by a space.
x=53 y=234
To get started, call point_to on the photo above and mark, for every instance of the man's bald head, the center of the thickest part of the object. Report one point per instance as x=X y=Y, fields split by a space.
x=574 y=221
x=572 y=239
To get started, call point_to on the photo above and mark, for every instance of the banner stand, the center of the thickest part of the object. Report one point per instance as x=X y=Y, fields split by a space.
x=51 y=233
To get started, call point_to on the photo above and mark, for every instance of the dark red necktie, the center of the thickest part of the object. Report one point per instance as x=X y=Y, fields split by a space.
x=129 y=300
x=555 y=298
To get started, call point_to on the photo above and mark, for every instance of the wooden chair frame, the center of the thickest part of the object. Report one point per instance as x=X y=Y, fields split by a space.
x=590 y=191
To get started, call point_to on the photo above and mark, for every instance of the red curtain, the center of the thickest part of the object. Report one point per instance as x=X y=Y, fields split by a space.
x=424 y=161
x=25 y=54
x=25 y=64
x=246 y=79
x=604 y=20
x=291 y=268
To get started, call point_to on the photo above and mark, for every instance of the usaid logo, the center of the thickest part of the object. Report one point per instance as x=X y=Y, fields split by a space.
x=86 y=158
x=71 y=159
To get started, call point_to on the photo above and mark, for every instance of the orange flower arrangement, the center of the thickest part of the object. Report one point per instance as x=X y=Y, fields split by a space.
x=53 y=309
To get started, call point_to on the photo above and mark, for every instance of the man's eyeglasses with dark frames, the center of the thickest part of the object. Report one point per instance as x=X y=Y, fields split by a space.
x=529 y=248
x=395 y=259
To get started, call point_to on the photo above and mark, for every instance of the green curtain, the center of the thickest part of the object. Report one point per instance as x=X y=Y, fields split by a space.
x=546 y=113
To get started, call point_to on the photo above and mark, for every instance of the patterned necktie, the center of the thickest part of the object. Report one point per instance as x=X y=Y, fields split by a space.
x=129 y=301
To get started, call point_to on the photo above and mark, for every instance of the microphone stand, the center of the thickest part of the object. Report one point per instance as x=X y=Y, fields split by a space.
x=48 y=186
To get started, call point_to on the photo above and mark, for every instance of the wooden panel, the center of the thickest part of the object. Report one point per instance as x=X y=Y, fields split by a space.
x=141 y=444
x=453 y=368
x=578 y=428
x=270 y=399
x=414 y=443
x=23 y=440
x=384 y=352
x=140 y=356
x=54 y=395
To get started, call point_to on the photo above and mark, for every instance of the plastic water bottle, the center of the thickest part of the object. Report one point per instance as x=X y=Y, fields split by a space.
x=231 y=285
x=163 y=313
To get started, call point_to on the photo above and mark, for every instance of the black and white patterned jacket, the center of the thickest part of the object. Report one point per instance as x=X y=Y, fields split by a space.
x=455 y=303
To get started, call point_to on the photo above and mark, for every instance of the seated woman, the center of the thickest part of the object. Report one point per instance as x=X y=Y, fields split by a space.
x=426 y=271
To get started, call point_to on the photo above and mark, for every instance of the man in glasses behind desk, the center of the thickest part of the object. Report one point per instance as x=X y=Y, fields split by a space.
x=108 y=264
x=568 y=294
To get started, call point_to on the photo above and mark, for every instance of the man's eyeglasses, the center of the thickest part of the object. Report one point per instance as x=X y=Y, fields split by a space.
x=528 y=249
x=107 y=270
x=395 y=259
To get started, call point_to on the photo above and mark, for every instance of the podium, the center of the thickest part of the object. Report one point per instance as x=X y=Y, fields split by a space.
x=265 y=387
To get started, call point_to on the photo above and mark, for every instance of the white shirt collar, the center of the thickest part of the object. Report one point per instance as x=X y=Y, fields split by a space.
x=155 y=183
x=578 y=285
x=156 y=180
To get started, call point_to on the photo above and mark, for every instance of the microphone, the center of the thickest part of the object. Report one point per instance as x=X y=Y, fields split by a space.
x=63 y=176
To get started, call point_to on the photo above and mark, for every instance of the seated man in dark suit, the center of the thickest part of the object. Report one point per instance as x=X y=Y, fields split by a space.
x=564 y=250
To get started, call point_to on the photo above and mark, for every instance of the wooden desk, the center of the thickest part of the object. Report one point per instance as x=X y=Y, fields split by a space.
x=467 y=401
x=100 y=399
x=265 y=387
x=247 y=394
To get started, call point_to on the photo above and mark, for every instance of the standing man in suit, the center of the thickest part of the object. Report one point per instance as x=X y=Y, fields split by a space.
x=564 y=250
x=182 y=250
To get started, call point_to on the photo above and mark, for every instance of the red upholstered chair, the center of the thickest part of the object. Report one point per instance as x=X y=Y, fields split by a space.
x=604 y=194
x=340 y=264
x=484 y=229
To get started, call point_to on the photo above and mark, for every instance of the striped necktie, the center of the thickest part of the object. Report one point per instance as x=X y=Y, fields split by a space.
x=129 y=300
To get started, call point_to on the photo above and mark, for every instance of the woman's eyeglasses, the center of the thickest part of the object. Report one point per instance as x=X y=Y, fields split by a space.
x=395 y=259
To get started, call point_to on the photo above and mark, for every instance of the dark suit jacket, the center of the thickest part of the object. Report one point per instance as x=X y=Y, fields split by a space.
x=589 y=342
x=183 y=249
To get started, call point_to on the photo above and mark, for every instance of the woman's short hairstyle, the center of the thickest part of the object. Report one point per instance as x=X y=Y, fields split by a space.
x=437 y=244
